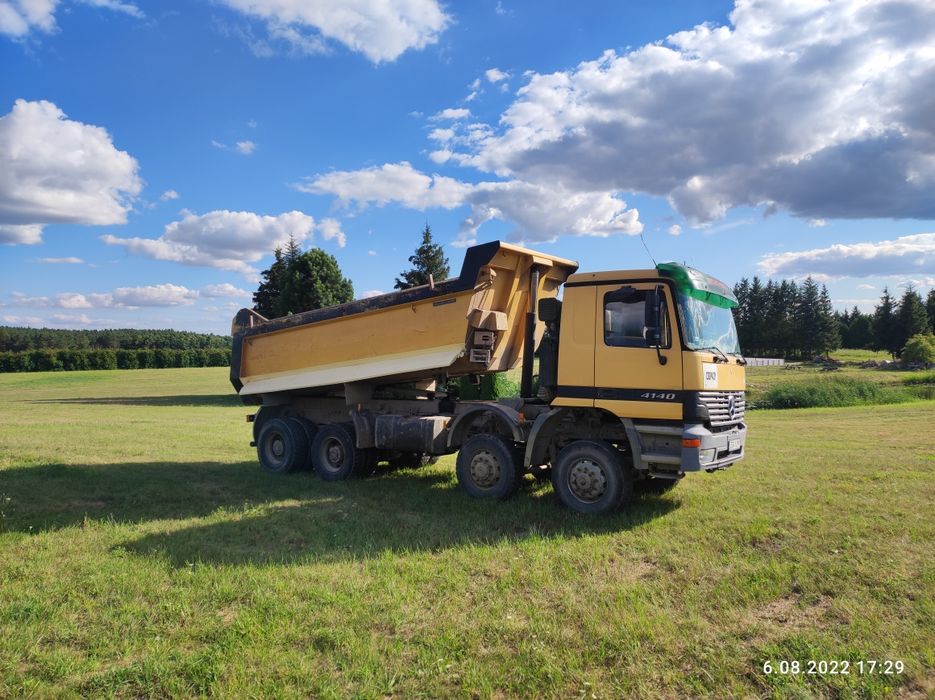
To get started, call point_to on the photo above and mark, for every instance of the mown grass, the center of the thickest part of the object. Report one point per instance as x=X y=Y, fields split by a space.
x=859 y=355
x=143 y=553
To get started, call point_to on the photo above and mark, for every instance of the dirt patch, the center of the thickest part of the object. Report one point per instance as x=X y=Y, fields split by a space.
x=790 y=613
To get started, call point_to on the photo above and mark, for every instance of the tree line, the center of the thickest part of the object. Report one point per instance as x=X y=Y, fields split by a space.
x=797 y=321
x=52 y=349
x=23 y=339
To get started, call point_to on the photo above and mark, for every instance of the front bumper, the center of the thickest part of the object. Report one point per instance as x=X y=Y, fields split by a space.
x=716 y=450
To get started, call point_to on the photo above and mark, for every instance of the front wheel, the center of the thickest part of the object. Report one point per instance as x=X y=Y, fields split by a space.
x=590 y=477
x=486 y=467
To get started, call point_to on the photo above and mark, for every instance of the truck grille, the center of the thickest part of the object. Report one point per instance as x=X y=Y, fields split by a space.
x=724 y=407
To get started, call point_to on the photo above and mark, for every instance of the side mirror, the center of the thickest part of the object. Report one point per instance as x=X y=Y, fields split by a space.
x=653 y=317
x=655 y=301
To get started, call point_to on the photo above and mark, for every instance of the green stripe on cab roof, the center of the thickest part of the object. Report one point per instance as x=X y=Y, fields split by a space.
x=698 y=285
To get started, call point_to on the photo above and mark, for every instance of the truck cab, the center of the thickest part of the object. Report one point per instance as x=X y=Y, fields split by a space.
x=658 y=350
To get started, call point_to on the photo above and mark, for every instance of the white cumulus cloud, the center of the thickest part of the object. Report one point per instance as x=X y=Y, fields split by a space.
x=906 y=255
x=169 y=195
x=539 y=212
x=228 y=240
x=245 y=147
x=225 y=290
x=330 y=230
x=495 y=75
x=379 y=29
x=122 y=297
x=154 y=295
x=19 y=17
x=55 y=170
x=28 y=234
x=820 y=108
x=391 y=182
x=62 y=261
x=126 y=8
x=451 y=114
x=675 y=230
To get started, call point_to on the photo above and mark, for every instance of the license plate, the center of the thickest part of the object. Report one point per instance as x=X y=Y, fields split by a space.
x=733 y=445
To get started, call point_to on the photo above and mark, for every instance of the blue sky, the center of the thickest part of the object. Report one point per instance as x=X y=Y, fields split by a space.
x=153 y=154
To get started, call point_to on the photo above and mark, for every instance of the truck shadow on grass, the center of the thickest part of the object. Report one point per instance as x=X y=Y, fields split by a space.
x=253 y=518
x=404 y=512
x=178 y=400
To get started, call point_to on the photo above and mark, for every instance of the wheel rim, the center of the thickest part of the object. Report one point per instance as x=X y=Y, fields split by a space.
x=333 y=453
x=586 y=480
x=485 y=469
x=277 y=446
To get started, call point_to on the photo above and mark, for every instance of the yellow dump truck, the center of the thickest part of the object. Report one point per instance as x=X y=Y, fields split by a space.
x=640 y=379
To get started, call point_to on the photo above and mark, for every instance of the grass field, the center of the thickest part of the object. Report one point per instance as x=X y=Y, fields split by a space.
x=143 y=553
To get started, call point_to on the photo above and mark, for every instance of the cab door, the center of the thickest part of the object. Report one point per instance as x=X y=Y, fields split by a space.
x=629 y=379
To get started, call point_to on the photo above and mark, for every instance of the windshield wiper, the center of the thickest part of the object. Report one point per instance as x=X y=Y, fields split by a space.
x=741 y=360
x=720 y=353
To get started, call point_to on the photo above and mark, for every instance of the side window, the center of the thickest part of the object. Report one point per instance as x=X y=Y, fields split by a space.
x=624 y=321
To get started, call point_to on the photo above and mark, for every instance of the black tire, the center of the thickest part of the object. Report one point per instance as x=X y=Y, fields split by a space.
x=282 y=446
x=486 y=467
x=310 y=430
x=590 y=477
x=263 y=415
x=656 y=487
x=335 y=457
x=411 y=460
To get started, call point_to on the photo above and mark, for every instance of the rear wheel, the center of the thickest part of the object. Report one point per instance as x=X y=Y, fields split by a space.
x=486 y=467
x=282 y=445
x=335 y=457
x=590 y=477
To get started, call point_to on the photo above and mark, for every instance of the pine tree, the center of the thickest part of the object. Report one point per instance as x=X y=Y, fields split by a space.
x=429 y=259
x=298 y=281
x=264 y=298
x=829 y=334
x=911 y=319
x=930 y=307
x=808 y=319
x=884 y=325
x=859 y=332
x=756 y=313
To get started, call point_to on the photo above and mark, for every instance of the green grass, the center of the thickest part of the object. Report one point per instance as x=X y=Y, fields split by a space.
x=920 y=378
x=831 y=391
x=859 y=355
x=761 y=380
x=144 y=554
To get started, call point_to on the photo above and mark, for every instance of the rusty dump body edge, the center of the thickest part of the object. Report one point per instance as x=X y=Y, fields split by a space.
x=471 y=324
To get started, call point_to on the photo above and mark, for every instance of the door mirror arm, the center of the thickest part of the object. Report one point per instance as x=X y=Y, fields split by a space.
x=653 y=321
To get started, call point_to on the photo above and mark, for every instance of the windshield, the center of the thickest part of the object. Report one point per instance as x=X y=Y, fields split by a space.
x=708 y=326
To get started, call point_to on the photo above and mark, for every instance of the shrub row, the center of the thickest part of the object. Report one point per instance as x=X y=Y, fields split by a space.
x=830 y=391
x=491 y=387
x=66 y=360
